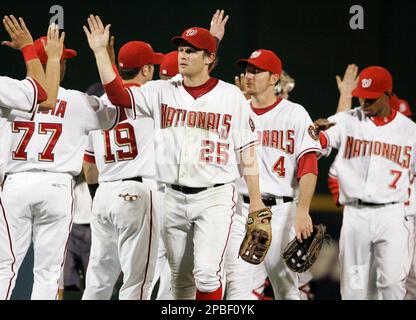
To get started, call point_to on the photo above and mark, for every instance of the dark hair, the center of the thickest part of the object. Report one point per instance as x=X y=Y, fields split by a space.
x=128 y=74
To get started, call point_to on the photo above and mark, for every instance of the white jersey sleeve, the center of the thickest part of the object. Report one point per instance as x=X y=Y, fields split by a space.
x=333 y=134
x=307 y=140
x=100 y=113
x=144 y=99
x=21 y=95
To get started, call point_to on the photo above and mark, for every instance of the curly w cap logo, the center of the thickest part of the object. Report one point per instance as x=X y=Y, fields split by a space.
x=366 y=83
x=191 y=32
x=255 y=54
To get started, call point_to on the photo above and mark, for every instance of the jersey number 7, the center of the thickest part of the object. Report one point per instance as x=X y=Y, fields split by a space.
x=54 y=129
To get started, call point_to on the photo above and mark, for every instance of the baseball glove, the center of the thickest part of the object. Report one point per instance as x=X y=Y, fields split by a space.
x=258 y=237
x=299 y=257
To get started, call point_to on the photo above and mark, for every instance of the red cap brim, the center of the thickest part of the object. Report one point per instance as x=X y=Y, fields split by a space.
x=243 y=63
x=365 y=94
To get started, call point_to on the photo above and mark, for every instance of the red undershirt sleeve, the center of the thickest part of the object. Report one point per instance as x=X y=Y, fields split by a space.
x=308 y=163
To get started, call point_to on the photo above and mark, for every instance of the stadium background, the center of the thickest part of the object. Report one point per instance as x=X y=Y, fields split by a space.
x=313 y=39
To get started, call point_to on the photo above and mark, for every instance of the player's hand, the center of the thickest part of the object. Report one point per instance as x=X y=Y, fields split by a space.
x=19 y=34
x=111 y=51
x=303 y=224
x=54 y=44
x=97 y=35
x=350 y=80
x=218 y=23
x=323 y=124
x=240 y=82
x=256 y=204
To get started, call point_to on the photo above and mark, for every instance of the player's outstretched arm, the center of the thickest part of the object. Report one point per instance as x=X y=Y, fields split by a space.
x=303 y=221
x=54 y=45
x=22 y=40
x=98 y=37
x=250 y=170
x=345 y=86
x=218 y=22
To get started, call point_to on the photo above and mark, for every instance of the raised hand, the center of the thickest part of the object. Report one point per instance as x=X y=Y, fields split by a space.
x=19 y=34
x=218 y=23
x=54 y=44
x=97 y=35
x=111 y=51
x=350 y=80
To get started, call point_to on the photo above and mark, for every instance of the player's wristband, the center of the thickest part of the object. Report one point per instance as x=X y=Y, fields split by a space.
x=29 y=52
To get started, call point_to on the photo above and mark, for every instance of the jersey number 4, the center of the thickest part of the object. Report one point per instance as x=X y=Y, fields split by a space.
x=54 y=129
x=279 y=167
x=123 y=137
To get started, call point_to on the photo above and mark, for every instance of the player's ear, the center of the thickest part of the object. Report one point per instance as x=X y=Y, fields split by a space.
x=210 y=58
x=274 y=78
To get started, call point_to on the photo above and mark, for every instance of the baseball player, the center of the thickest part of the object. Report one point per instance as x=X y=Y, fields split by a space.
x=288 y=162
x=17 y=98
x=373 y=169
x=204 y=130
x=169 y=69
x=125 y=226
x=46 y=154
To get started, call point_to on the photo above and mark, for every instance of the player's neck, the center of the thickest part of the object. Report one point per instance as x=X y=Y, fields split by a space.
x=263 y=100
x=196 y=80
x=136 y=80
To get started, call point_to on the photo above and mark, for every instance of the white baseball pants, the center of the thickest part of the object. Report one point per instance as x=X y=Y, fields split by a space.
x=374 y=252
x=197 y=231
x=125 y=235
x=39 y=205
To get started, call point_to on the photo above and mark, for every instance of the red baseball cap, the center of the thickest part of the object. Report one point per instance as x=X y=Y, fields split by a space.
x=136 y=54
x=263 y=59
x=199 y=38
x=400 y=105
x=373 y=82
x=169 y=66
x=42 y=55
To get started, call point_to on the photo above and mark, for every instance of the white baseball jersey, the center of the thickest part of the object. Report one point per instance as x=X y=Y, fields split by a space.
x=285 y=133
x=16 y=95
x=55 y=140
x=127 y=151
x=374 y=161
x=198 y=140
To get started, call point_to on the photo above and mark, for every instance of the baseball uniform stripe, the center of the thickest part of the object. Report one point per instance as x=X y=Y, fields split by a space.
x=69 y=232
x=35 y=94
x=228 y=236
x=11 y=250
x=150 y=245
x=307 y=151
x=252 y=143
x=132 y=102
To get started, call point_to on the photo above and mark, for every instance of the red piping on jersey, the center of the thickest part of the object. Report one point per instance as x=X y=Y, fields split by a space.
x=69 y=232
x=133 y=103
x=307 y=151
x=199 y=91
x=35 y=94
x=381 y=121
x=228 y=236
x=11 y=250
x=308 y=163
x=260 y=111
x=247 y=145
x=42 y=96
x=150 y=246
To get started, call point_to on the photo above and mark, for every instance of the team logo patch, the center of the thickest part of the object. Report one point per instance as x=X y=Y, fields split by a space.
x=191 y=32
x=251 y=123
x=366 y=83
x=255 y=54
x=312 y=132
